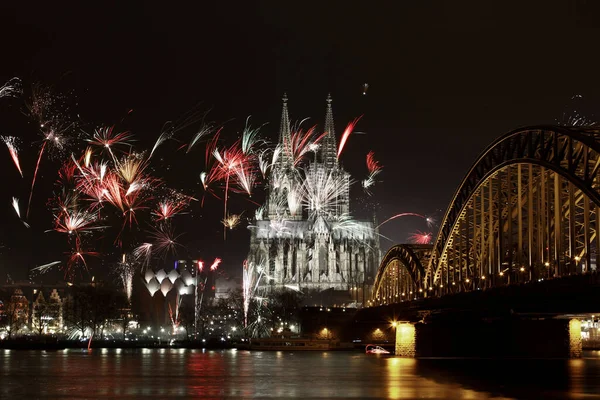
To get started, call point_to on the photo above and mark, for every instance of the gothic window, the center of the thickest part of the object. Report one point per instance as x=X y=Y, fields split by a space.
x=272 y=258
x=286 y=250
x=294 y=262
x=323 y=259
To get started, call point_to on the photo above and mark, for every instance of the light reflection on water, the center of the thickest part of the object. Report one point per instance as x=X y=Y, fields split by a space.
x=167 y=373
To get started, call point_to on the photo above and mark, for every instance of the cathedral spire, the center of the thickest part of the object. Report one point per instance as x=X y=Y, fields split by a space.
x=285 y=137
x=328 y=144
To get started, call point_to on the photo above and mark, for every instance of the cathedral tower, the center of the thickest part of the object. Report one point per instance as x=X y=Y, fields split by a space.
x=307 y=239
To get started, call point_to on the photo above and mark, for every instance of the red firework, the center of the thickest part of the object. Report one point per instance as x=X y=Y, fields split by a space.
x=76 y=257
x=373 y=165
x=215 y=264
x=169 y=207
x=346 y=134
x=301 y=143
x=421 y=237
x=75 y=222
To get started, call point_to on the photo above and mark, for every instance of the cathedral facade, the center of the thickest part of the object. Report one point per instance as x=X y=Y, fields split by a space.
x=304 y=238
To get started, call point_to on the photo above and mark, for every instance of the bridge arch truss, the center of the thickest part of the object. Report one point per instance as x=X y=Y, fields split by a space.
x=401 y=274
x=528 y=209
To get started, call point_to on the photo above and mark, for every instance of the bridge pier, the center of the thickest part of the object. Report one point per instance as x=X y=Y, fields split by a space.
x=575 y=342
x=406 y=339
x=510 y=337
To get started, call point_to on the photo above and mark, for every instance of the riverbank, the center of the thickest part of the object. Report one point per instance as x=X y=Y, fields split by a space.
x=58 y=344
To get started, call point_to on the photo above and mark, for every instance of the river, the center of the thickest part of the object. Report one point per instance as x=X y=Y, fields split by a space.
x=180 y=373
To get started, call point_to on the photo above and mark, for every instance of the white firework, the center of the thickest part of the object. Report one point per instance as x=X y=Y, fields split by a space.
x=126 y=270
x=11 y=88
x=143 y=253
x=322 y=193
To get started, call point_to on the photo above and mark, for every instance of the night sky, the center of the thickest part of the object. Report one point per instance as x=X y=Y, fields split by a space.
x=445 y=79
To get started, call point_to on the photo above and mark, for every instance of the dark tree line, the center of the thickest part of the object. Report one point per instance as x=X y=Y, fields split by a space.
x=94 y=307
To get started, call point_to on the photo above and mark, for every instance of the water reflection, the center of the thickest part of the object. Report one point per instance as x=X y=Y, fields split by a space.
x=180 y=373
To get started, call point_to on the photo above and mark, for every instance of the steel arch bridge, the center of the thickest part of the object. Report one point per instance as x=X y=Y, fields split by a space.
x=528 y=209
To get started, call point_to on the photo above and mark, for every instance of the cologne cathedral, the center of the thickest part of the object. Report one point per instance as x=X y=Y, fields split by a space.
x=304 y=238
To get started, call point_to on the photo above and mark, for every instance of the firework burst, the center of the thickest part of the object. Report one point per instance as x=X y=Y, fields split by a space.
x=165 y=241
x=321 y=193
x=419 y=237
x=232 y=221
x=107 y=138
x=76 y=222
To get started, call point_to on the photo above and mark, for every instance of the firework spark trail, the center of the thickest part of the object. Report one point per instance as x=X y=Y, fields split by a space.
x=245 y=176
x=35 y=172
x=431 y=221
x=263 y=163
x=126 y=271
x=294 y=200
x=11 y=88
x=419 y=237
x=11 y=144
x=346 y=134
x=408 y=214
x=374 y=168
x=132 y=188
x=214 y=173
x=15 y=204
x=249 y=138
x=215 y=264
x=133 y=203
x=203 y=132
x=42 y=269
x=87 y=157
x=163 y=137
x=300 y=144
x=247 y=286
x=170 y=129
x=52 y=137
x=144 y=253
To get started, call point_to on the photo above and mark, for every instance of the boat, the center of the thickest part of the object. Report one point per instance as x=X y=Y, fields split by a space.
x=373 y=349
